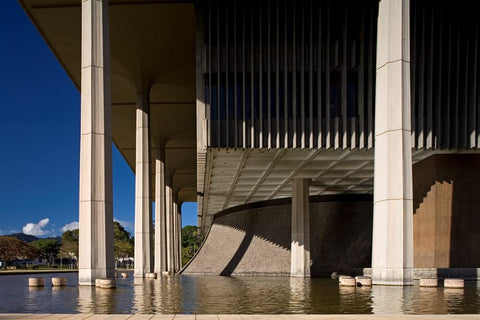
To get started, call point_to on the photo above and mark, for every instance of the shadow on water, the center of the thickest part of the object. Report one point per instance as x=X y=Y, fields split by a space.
x=244 y=295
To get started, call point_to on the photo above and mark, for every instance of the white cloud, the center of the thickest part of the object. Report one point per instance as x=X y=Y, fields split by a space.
x=126 y=224
x=70 y=226
x=36 y=229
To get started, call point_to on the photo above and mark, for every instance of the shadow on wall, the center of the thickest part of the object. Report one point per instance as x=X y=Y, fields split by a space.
x=446 y=191
x=255 y=239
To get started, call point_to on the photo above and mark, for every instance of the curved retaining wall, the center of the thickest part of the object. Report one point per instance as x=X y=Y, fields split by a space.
x=254 y=239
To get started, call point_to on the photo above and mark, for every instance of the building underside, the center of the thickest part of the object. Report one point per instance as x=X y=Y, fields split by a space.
x=228 y=103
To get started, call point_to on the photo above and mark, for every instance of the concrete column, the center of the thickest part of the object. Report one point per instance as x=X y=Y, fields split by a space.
x=169 y=227
x=300 y=247
x=95 y=190
x=143 y=190
x=175 y=235
x=392 y=247
x=160 y=223
x=179 y=219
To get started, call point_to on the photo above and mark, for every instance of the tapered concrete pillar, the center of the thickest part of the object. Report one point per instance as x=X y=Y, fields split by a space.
x=95 y=190
x=179 y=224
x=300 y=246
x=160 y=222
x=392 y=247
x=175 y=235
x=169 y=227
x=143 y=203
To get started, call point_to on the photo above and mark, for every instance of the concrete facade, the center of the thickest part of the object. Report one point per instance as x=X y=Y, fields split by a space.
x=350 y=98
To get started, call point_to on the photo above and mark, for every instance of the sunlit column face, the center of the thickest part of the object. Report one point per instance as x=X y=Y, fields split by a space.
x=143 y=208
x=392 y=247
x=95 y=191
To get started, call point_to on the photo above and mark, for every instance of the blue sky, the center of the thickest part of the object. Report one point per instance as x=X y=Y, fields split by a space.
x=39 y=138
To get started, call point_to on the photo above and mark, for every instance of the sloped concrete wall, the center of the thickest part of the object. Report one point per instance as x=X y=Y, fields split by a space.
x=255 y=239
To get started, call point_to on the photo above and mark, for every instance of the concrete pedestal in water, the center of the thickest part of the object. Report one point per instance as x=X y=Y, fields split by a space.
x=105 y=283
x=59 y=282
x=36 y=282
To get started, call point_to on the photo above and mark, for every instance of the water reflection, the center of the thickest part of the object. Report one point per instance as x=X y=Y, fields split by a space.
x=429 y=300
x=85 y=299
x=299 y=298
x=212 y=294
x=387 y=299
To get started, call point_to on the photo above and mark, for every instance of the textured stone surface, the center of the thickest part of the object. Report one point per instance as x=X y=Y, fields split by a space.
x=246 y=242
x=428 y=282
x=453 y=283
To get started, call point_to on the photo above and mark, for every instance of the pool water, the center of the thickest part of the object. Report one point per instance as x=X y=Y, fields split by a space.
x=224 y=295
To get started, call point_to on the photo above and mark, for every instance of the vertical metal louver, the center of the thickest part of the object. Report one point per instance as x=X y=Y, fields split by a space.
x=444 y=76
x=289 y=74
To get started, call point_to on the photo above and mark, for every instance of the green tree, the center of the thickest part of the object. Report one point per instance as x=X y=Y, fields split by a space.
x=69 y=246
x=48 y=247
x=122 y=242
x=13 y=249
x=191 y=242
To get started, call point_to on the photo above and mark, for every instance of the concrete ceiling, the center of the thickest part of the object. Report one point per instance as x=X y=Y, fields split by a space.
x=152 y=45
x=237 y=176
x=240 y=176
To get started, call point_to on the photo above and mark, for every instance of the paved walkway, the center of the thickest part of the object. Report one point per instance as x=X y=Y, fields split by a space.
x=82 y=316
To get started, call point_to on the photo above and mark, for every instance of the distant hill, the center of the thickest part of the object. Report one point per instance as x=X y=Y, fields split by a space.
x=29 y=238
x=24 y=237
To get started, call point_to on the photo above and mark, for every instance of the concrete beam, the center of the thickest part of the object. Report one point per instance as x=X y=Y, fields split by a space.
x=95 y=194
x=392 y=247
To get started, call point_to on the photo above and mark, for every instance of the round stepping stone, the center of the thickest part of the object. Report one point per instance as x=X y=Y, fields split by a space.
x=105 y=283
x=59 y=282
x=363 y=281
x=124 y=274
x=347 y=281
x=151 y=275
x=454 y=283
x=36 y=282
x=428 y=282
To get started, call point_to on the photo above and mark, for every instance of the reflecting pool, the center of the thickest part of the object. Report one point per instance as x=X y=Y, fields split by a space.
x=223 y=295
